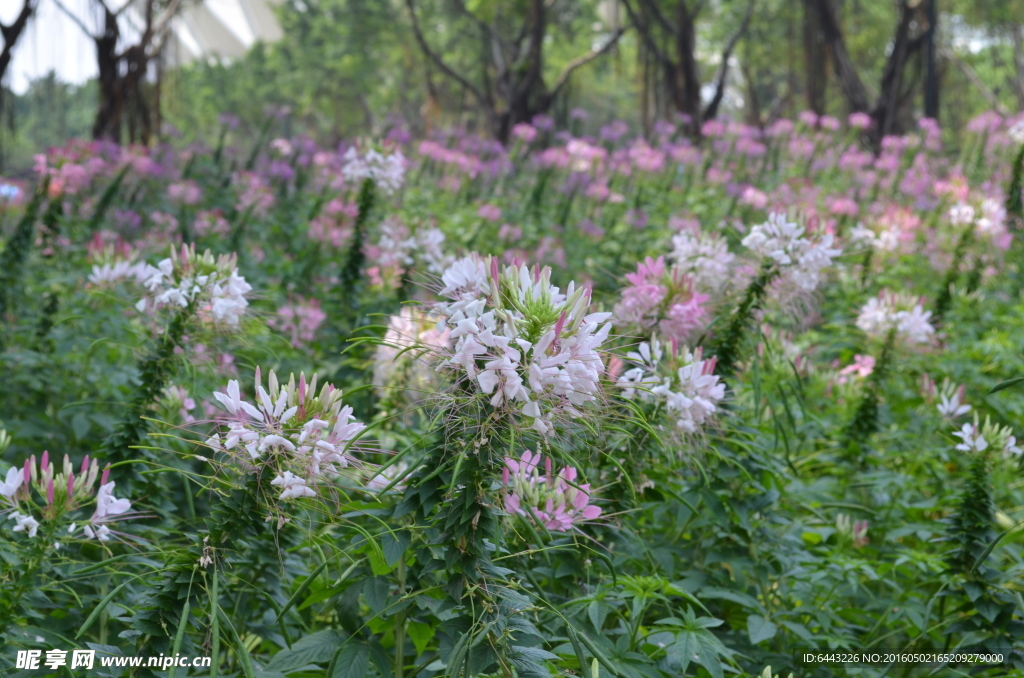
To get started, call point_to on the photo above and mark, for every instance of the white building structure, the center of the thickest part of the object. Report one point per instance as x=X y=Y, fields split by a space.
x=204 y=29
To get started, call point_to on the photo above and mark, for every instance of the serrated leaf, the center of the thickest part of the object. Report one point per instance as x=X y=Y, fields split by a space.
x=353 y=661
x=316 y=648
x=394 y=546
x=375 y=591
x=760 y=629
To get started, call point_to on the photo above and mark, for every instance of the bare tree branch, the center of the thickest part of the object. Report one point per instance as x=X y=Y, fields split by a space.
x=162 y=30
x=12 y=32
x=712 y=110
x=121 y=10
x=974 y=79
x=484 y=26
x=73 y=17
x=583 y=59
x=849 y=79
x=436 y=58
x=645 y=33
x=652 y=5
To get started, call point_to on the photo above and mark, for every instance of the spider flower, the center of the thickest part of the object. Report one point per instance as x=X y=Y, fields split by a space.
x=201 y=282
x=975 y=438
x=557 y=502
x=690 y=393
x=663 y=300
x=38 y=497
x=522 y=342
x=703 y=256
x=387 y=170
x=783 y=243
x=899 y=313
x=303 y=439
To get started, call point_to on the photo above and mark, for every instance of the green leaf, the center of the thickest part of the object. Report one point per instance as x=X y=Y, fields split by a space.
x=1005 y=384
x=375 y=591
x=353 y=662
x=760 y=629
x=598 y=612
x=708 y=657
x=685 y=647
x=420 y=634
x=534 y=653
x=316 y=648
x=394 y=545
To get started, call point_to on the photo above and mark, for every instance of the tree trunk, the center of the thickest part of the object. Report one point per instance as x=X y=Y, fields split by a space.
x=687 y=75
x=815 y=58
x=132 y=86
x=850 y=82
x=886 y=110
x=111 y=100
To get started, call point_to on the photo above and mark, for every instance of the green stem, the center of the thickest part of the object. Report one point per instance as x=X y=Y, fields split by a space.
x=16 y=251
x=400 y=626
x=730 y=343
x=155 y=372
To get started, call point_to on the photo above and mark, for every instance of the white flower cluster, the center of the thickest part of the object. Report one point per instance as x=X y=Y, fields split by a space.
x=900 y=312
x=882 y=235
x=992 y=221
x=521 y=340
x=57 y=495
x=209 y=285
x=975 y=438
x=398 y=248
x=799 y=259
x=1016 y=132
x=107 y=507
x=988 y=219
x=691 y=397
x=300 y=436
x=121 y=269
x=952 y=403
x=386 y=171
x=705 y=256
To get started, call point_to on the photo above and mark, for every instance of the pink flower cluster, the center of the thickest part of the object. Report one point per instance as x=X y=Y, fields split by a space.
x=661 y=300
x=334 y=226
x=300 y=320
x=556 y=502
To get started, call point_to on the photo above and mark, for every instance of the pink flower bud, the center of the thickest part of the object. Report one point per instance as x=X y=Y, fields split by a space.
x=45 y=461
x=560 y=325
x=105 y=476
x=85 y=466
x=49 y=492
